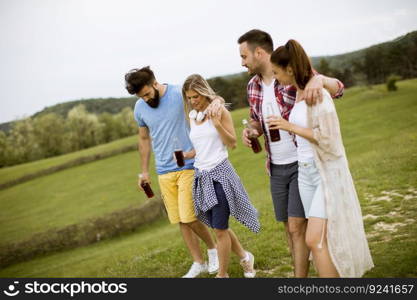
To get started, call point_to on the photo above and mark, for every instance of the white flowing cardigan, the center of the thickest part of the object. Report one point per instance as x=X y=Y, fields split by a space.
x=346 y=237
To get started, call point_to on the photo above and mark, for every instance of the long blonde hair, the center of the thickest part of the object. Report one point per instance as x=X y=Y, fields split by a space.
x=198 y=84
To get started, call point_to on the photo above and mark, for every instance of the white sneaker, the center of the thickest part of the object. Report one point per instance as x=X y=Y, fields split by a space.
x=213 y=261
x=247 y=265
x=196 y=269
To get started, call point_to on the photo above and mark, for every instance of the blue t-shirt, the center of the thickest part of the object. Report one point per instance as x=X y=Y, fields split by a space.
x=165 y=123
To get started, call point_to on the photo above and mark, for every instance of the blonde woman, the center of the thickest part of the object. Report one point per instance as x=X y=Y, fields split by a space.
x=335 y=232
x=217 y=190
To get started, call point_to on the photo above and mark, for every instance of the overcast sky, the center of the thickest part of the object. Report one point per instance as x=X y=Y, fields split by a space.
x=53 y=51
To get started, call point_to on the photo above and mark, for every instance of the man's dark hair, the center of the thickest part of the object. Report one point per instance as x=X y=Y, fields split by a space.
x=257 y=38
x=136 y=79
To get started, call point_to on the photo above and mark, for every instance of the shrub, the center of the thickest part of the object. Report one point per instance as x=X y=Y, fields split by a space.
x=391 y=80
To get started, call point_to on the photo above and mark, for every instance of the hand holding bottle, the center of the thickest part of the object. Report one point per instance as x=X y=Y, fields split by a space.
x=178 y=154
x=278 y=123
x=250 y=137
x=144 y=184
x=247 y=134
x=270 y=117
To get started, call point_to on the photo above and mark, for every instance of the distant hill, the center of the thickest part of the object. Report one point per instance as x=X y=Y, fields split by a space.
x=344 y=60
x=374 y=64
x=96 y=106
x=93 y=105
x=371 y=65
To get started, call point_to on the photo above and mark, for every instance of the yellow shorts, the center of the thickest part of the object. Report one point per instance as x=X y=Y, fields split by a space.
x=176 y=190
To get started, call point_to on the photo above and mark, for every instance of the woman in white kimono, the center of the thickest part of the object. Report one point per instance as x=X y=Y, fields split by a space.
x=335 y=232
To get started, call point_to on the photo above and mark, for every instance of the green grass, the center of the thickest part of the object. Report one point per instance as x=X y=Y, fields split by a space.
x=379 y=131
x=14 y=172
x=70 y=196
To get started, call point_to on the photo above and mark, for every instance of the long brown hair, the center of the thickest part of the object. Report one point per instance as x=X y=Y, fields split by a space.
x=198 y=84
x=293 y=55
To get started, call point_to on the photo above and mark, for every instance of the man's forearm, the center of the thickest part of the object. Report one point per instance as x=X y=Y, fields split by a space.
x=333 y=86
x=145 y=154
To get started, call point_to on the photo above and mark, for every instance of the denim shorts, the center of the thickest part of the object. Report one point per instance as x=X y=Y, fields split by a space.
x=219 y=215
x=311 y=190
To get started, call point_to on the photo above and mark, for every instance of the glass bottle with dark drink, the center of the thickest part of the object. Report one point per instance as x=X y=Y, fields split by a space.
x=256 y=146
x=147 y=188
x=179 y=155
x=273 y=133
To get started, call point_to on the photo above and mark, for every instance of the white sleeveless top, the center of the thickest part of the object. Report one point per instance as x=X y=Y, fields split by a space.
x=209 y=148
x=298 y=116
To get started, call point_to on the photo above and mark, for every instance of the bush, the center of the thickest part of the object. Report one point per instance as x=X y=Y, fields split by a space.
x=391 y=80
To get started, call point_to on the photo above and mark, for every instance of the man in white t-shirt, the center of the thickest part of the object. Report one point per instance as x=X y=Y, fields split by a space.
x=267 y=97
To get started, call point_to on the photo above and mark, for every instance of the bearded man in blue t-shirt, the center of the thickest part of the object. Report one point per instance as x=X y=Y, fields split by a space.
x=159 y=113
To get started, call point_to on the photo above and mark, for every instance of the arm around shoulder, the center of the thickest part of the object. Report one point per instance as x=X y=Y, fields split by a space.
x=334 y=86
x=226 y=129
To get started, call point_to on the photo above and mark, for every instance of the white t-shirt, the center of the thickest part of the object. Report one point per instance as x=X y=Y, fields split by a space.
x=298 y=117
x=284 y=151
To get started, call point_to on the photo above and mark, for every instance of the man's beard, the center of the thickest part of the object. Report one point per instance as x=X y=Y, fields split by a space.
x=154 y=102
x=254 y=71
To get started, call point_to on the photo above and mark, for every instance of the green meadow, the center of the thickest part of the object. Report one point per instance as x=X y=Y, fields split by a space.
x=380 y=137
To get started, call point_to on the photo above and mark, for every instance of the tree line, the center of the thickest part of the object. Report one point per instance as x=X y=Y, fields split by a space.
x=232 y=88
x=51 y=134
x=375 y=64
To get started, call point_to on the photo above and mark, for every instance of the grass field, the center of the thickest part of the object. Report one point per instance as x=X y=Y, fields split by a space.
x=70 y=196
x=380 y=136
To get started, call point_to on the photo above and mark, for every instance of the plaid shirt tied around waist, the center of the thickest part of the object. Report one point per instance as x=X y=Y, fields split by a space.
x=205 y=198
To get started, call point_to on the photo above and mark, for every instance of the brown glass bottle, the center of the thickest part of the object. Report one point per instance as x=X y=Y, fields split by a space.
x=273 y=133
x=148 y=190
x=256 y=146
x=179 y=156
x=146 y=187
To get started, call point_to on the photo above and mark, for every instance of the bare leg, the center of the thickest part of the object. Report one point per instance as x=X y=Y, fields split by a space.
x=289 y=241
x=316 y=239
x=202 y=231
x=192 y=242
x=223 y=250
x=300 y=252
x=236 y=246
